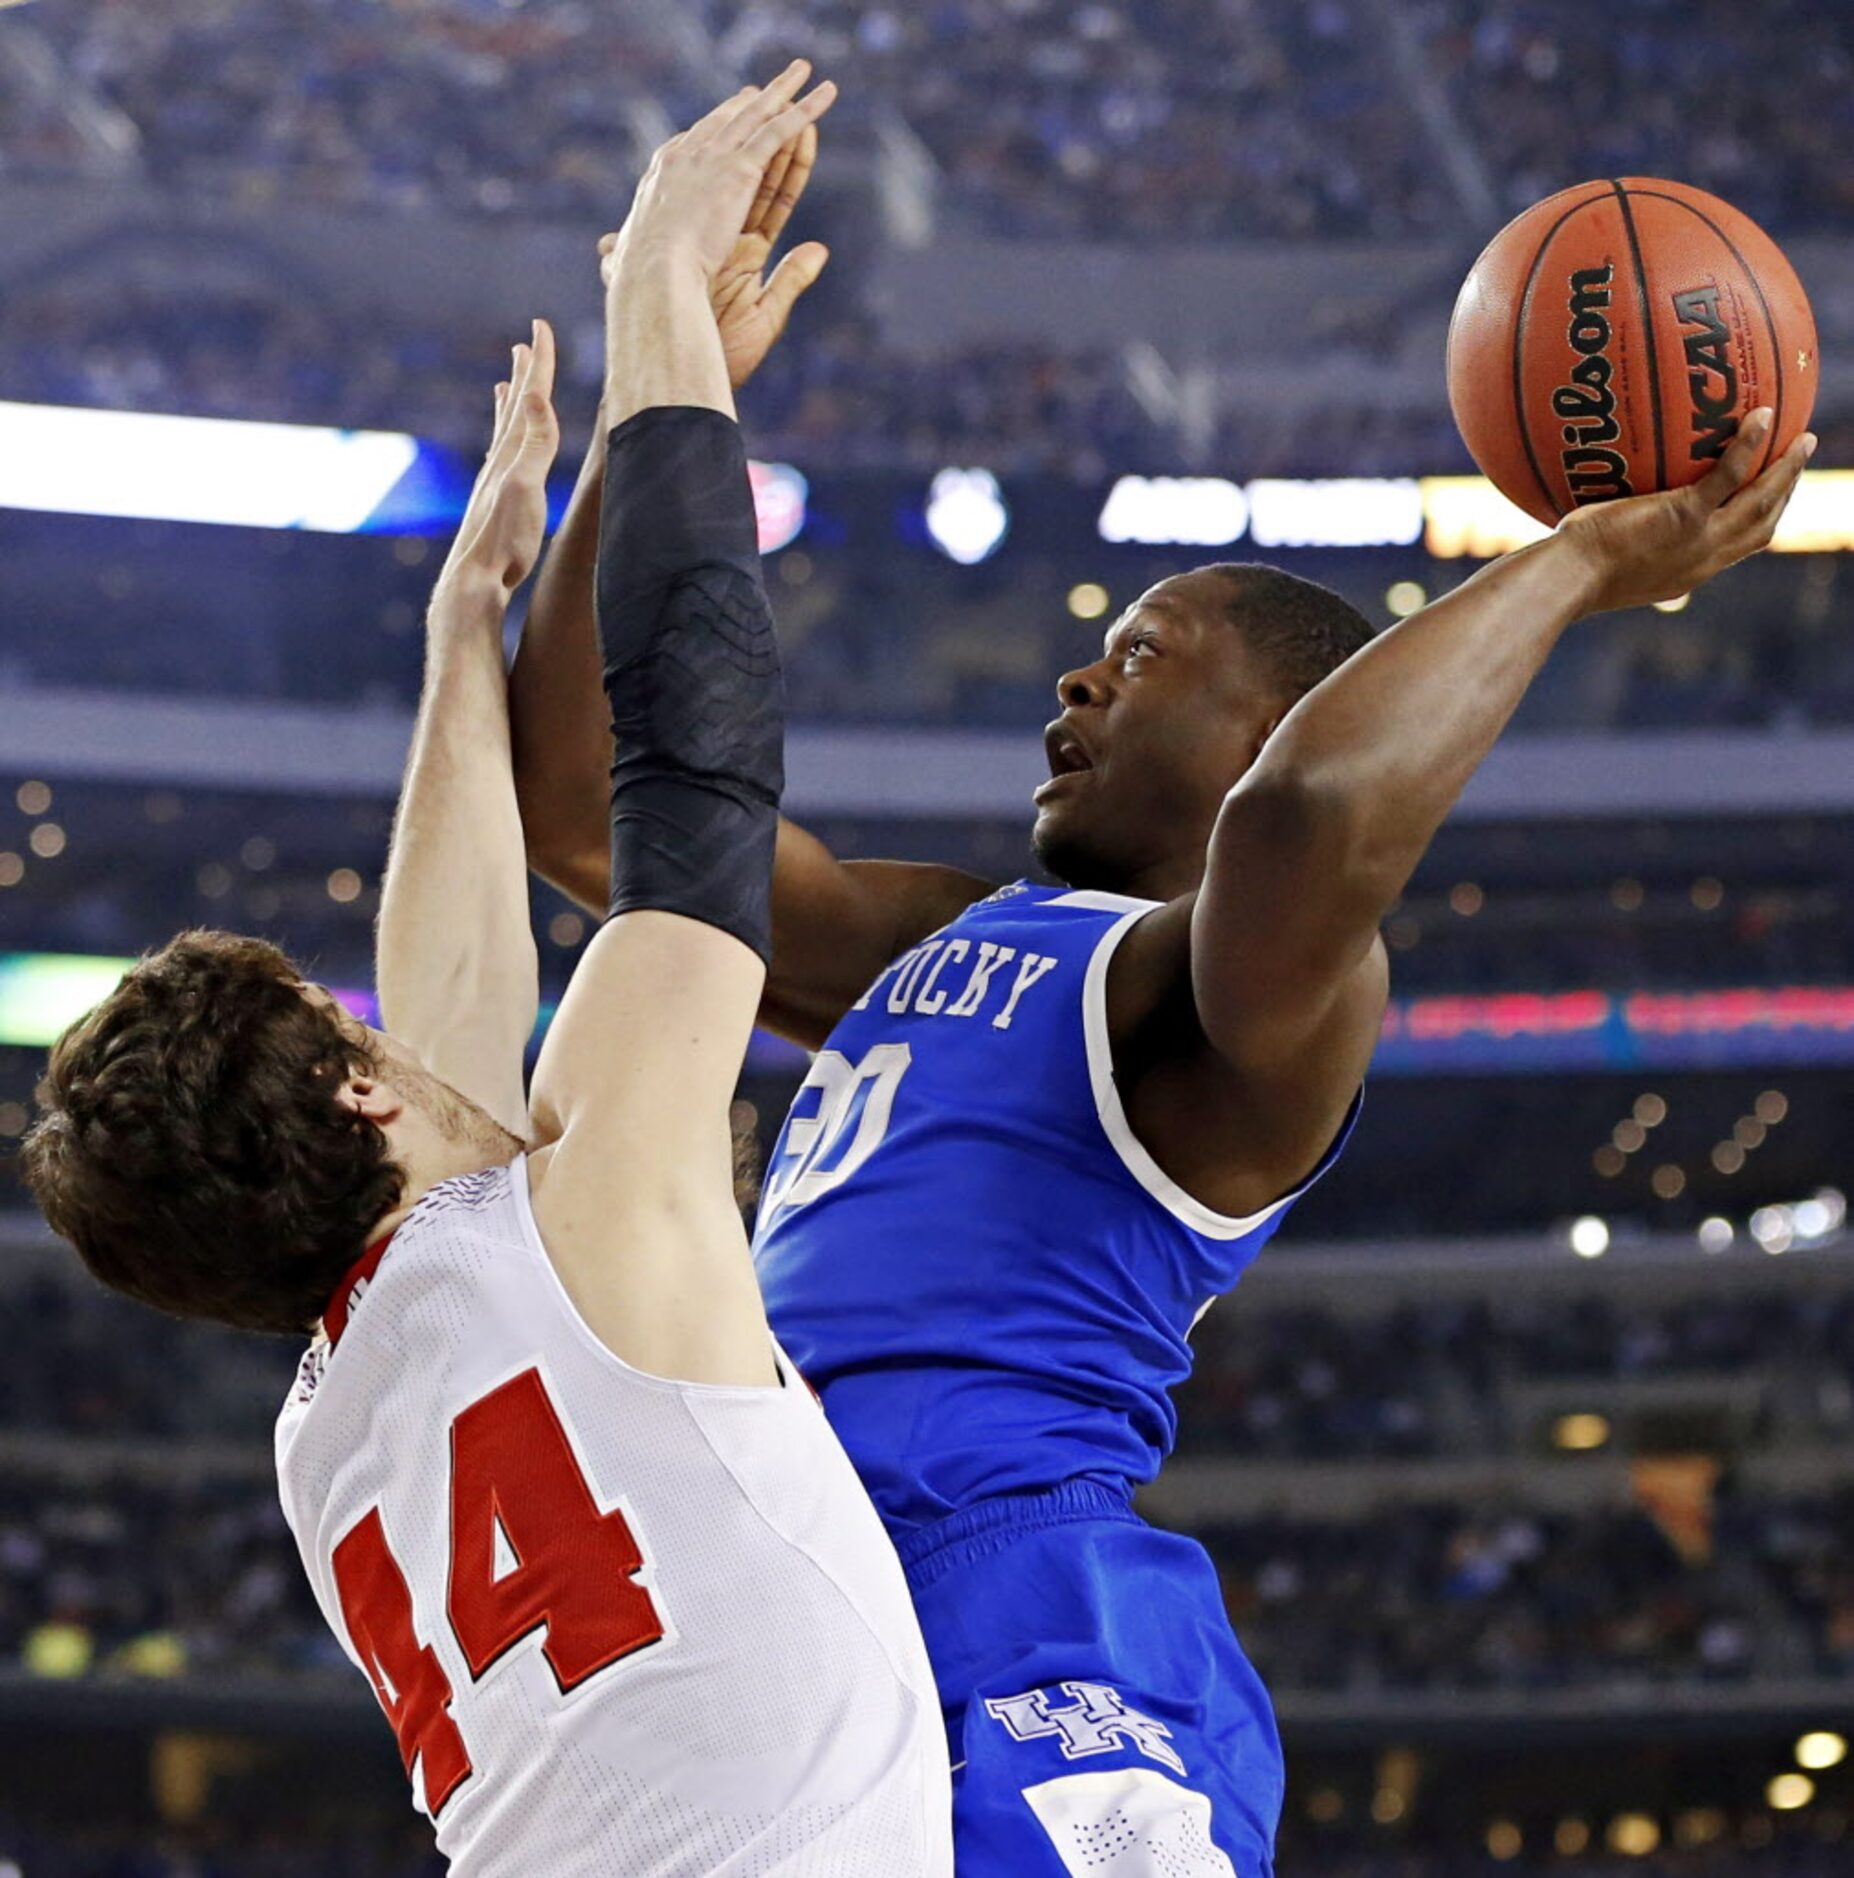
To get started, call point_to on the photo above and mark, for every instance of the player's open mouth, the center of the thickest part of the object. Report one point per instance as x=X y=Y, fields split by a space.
x=1065 y=751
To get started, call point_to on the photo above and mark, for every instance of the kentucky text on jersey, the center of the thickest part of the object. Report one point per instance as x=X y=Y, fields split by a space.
x=961 y=1242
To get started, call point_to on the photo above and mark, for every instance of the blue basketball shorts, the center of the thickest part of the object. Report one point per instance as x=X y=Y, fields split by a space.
x=1101 y=1716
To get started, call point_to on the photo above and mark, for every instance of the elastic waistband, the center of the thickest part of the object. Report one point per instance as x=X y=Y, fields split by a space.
x=991 y=1525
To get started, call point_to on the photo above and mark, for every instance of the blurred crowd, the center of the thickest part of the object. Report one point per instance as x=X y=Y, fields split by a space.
x=1272 y=1382
x=129 y=1576
x=1504 y=1596
x=1161 y=119
x=1439 y=1376
x=1756 y=105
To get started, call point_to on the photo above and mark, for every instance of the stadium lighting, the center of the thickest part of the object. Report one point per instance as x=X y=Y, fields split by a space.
x=1589 y=1237
x=780 y=496
x=133 y=464
x=1821 y=1749
x=1774 y=1228
x=1580 y=1434
x=1716 y=1234
x=1340 y=512
x=1174 y=512
x=966 y=515
x=1787 y=1792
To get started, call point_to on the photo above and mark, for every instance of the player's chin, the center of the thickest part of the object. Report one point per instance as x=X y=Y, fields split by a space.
x=1061 y=845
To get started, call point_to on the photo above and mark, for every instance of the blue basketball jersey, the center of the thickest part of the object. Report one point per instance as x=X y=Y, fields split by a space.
x=988 y=1279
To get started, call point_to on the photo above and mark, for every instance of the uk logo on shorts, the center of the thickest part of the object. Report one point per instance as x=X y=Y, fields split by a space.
x=1096 y=1721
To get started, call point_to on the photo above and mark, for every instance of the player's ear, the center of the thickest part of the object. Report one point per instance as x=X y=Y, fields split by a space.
x=379 y=1102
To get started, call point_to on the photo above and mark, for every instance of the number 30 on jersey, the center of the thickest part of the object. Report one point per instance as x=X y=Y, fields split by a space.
x=839 y=1118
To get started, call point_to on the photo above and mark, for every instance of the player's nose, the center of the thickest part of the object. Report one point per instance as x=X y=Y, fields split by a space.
x=1085 y=686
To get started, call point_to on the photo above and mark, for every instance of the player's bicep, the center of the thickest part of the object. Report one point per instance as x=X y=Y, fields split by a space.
x=837 y=925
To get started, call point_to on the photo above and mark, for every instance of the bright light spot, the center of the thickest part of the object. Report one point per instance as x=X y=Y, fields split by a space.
x=1504 y=1840
x=1589 y=1237
x=1773 y=1228
x=46 y=841
x=1837 y=1204
x=1676 y=605
x=1404 y=597
x=12 y=869
x=566 y=929
x=1668 y=1181
x=1626 y=895
x=1174 y=511
x=196 y=469
x=1789 y=1791
x=344 y=885
x=966 y=515
x=1716 y=1234
x=1609 y=1161
x=1821 y=1749
x=1812 y=1219
x=1634 y=1835
x=34 y=798
x=1748 y=1132
x=1579 y=1434
x=1335 y=512
x=1387 y=1806
x=1771 y=1107
x=1088 y=599
x=1466 y=898
x=1628 y=1135
x=1728 y=1157
x=1650 y=1110
x=780 y=493
x=1707 y=893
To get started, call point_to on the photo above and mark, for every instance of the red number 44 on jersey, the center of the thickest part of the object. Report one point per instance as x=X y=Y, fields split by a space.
x=530 y=1551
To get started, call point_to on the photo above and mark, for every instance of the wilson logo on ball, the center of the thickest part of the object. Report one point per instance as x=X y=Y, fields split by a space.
x=1587 y=404
x=1709 y=363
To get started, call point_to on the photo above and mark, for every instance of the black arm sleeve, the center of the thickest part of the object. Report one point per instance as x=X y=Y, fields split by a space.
x=692 y=673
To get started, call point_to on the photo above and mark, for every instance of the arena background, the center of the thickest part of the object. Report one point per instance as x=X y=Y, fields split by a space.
x=1525 y=1451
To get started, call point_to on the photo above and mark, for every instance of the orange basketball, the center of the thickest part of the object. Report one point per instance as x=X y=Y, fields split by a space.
x=1609 y=340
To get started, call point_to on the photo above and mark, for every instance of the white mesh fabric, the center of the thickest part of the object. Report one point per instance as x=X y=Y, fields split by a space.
x=1128 y=1822
x=787 y=1723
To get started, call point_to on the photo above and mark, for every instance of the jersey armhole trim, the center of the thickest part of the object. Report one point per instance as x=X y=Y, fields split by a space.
x=788 y=1387
x=1133 y=1153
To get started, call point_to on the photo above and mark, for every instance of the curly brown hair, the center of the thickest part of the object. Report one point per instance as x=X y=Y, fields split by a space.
x=190 y=1146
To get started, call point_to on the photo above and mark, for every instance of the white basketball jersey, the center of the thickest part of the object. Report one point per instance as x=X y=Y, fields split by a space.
x=621 y=1625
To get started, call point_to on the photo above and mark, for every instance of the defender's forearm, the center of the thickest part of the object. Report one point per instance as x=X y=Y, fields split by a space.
x=561 y=727
x=456 y=963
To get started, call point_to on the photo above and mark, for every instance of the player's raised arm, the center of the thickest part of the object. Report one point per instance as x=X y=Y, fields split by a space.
x=1322 y=833
x=835 y=924
x=456 y=964
x=633 y=1179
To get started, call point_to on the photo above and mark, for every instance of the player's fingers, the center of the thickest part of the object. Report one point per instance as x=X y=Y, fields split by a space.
x=766 y=196
x=788 y=123
x=793 y=174
x=707 y=128
x=798 y=271
x=1738 y=462
x=1760 y=508
x=745 y=126
x=545 y=359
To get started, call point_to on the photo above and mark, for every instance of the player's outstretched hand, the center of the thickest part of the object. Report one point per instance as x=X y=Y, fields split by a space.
x=506 y=519
x=717 y=198
x=1647 y=548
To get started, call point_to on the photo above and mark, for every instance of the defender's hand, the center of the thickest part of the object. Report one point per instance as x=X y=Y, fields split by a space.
x=1647 y=548
x=715 y=184
x=750 y=309
x=506 y=518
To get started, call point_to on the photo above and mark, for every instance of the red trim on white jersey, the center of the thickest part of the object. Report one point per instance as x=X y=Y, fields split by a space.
x=353 y=1283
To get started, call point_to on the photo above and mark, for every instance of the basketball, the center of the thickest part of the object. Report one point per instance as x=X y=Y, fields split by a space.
x=1609 y=341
